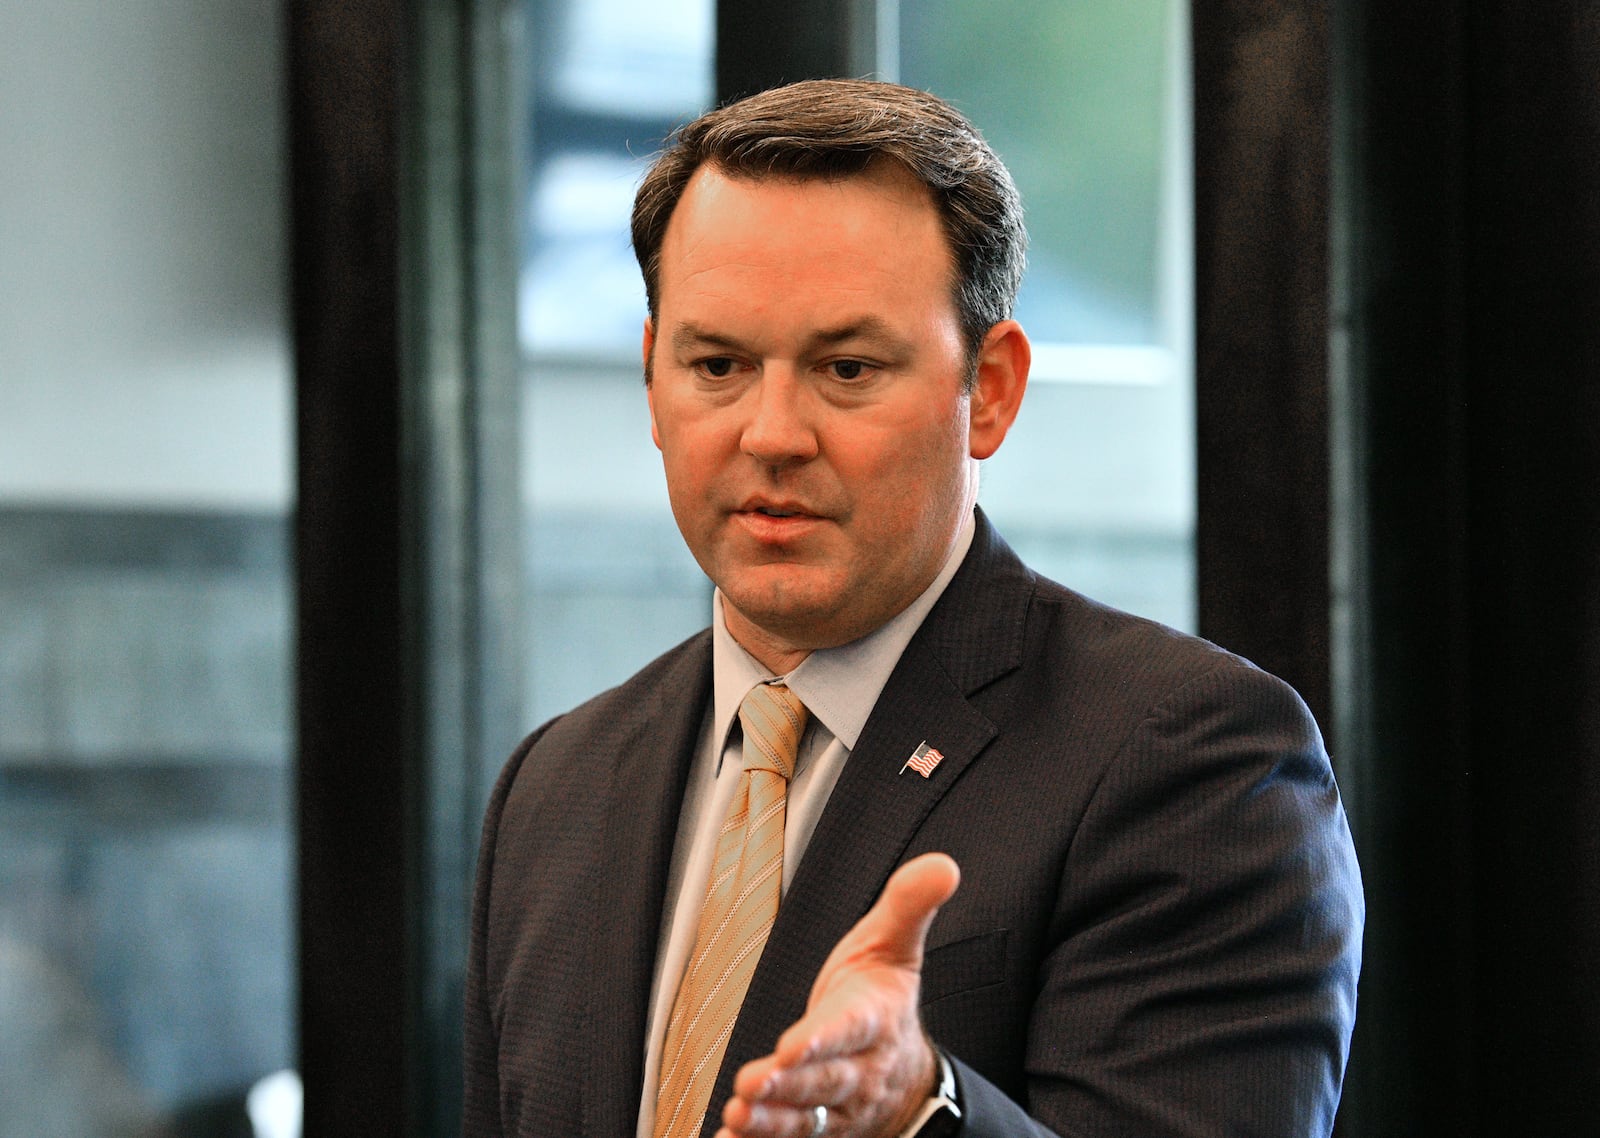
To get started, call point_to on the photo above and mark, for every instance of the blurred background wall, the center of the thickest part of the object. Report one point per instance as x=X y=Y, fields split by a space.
x=146 y=945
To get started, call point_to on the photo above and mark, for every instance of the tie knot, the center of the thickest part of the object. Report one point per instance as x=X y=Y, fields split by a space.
x=773 y=719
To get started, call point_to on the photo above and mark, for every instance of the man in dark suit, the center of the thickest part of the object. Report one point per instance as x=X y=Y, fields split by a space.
x=1157 y=925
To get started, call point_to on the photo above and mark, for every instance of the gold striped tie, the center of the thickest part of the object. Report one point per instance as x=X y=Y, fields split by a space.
x=741 y=904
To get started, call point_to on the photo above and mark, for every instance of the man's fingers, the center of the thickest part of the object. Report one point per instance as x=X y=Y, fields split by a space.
x=844 y=1022
x=759 y=1120
x=826 y=1082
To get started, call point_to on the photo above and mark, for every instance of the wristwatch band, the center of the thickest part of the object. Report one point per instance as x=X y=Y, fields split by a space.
x=940 y=1116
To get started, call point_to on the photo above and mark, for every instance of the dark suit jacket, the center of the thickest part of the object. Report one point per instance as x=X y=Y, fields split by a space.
x=1158 y=926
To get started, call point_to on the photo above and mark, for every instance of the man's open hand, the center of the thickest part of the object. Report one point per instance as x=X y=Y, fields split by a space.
x=859 y=1050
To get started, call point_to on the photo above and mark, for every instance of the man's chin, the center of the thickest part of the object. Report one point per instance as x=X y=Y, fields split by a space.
x=782 y=614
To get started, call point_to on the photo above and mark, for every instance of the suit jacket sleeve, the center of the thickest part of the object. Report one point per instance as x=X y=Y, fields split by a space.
x=1199 y=974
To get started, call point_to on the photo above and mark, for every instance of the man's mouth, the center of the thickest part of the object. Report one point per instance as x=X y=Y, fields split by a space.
x=765 y=508
x=779 y=522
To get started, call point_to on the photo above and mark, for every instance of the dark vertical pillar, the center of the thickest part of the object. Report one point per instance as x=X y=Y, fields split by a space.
x=408 y=549
x=761 y=44
x=344 y=76
x=1261 y=334
x=1404 y=718
x=1532 y=399
x=1469 y=155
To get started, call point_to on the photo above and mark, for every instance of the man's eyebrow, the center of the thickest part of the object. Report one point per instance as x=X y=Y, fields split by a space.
x=690 y=337
x=870 y=328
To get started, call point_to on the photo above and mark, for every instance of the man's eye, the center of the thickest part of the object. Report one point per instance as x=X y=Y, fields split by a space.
x=718 y=367
x=848 y=369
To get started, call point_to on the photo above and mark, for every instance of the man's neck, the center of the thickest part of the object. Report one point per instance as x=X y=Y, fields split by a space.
x=781 y=656
x=775 y=655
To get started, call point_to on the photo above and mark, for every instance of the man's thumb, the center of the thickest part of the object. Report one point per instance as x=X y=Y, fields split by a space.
x=907 y=906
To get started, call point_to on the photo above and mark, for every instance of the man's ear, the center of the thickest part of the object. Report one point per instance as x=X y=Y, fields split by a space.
x=1003 y=362
x=649 y=387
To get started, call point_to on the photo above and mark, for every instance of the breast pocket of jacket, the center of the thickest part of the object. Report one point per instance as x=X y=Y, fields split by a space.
x=965 y=965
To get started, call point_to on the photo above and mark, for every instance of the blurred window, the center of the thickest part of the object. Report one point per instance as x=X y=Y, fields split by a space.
x=1088 y=106
x=610 y=582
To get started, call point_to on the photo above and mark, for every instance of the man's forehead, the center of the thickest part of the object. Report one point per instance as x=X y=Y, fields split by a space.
x=717 y=206
x=888 y=172
x=874 y=166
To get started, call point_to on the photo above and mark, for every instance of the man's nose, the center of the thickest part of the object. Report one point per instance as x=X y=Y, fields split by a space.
x=780 y=429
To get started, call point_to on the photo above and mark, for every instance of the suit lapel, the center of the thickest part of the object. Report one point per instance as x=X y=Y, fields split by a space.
x=972 y=636
x=647 y=761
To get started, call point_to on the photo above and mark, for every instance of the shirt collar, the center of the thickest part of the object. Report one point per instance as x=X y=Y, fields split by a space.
x=839 y=686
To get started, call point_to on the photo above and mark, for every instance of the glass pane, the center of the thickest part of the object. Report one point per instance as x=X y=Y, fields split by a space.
x=145 y=904
x=607 y=569
x=1078 y=115
x=611 y=79
x=1095 y=485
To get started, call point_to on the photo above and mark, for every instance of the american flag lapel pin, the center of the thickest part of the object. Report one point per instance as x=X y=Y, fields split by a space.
x=923 y=759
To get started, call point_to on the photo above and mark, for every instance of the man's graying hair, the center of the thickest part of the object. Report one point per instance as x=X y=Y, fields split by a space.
x=833 y=128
